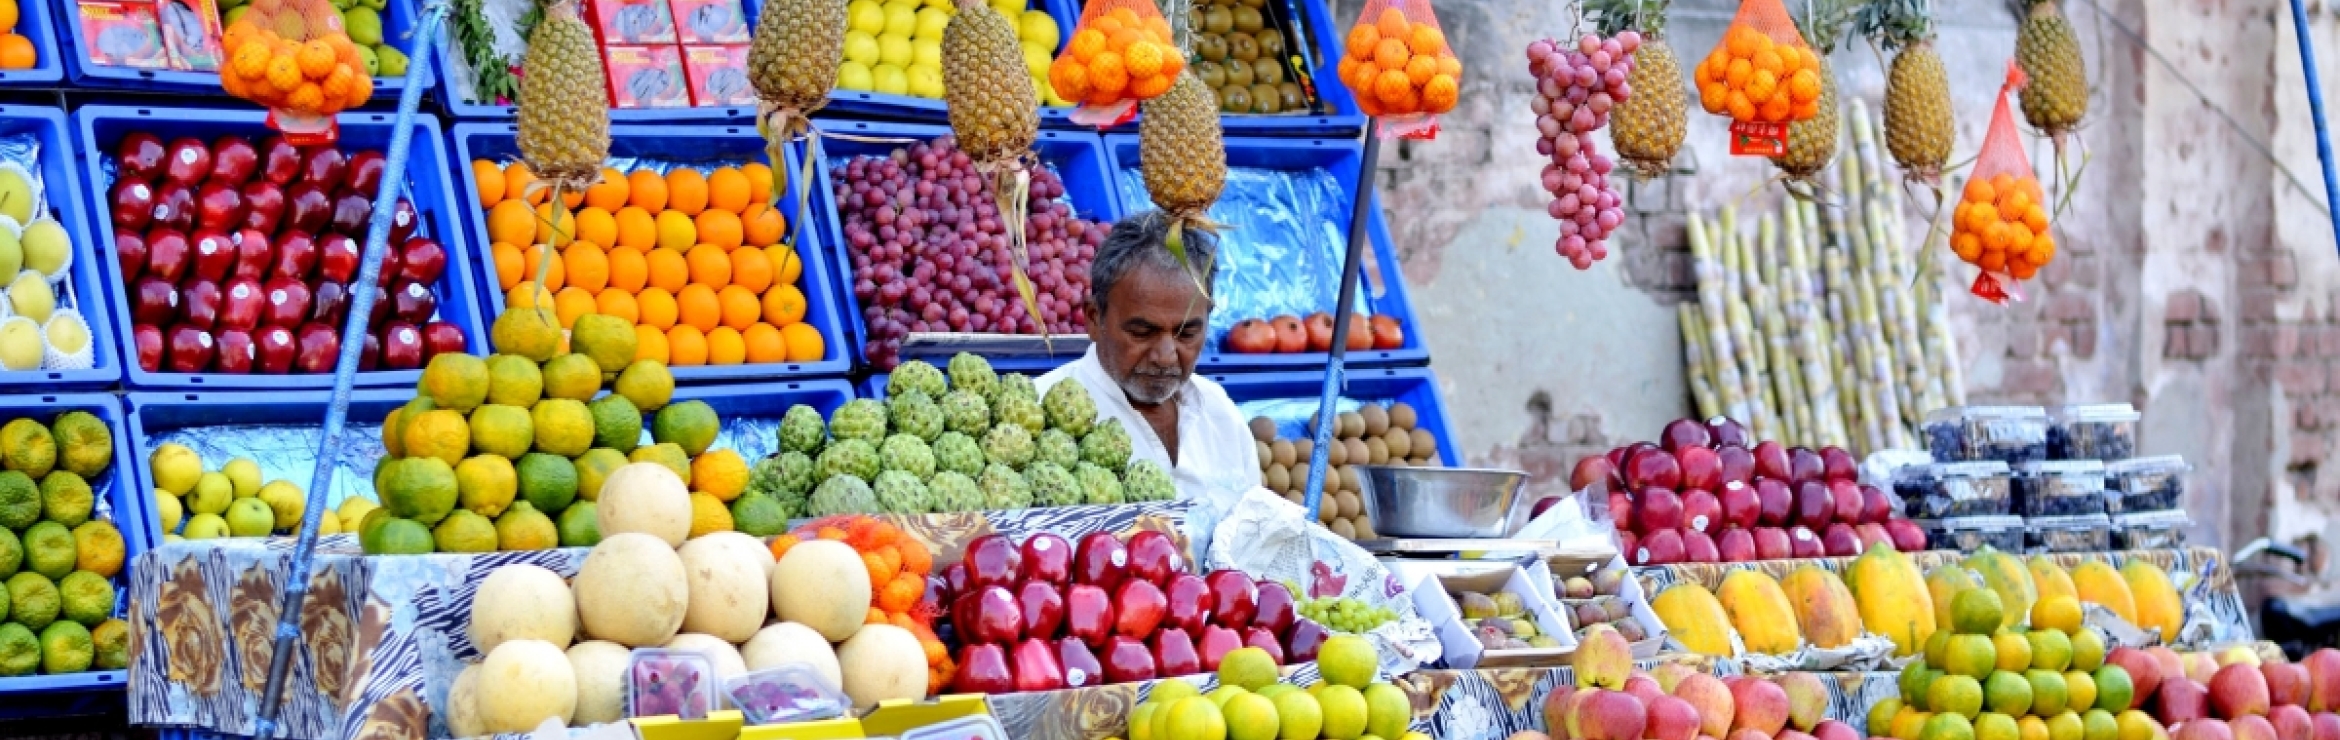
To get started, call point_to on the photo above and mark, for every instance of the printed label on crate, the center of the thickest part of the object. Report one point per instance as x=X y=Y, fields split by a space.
x=123 y=33
x=621 y=22
x=710 y=22
x=192 y=34
x=647 y=77
x=718 y=75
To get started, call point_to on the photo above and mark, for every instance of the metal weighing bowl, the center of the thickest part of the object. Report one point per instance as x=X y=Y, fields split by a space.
x=1443 y=502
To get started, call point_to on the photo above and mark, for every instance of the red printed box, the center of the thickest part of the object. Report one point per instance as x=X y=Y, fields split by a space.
x=647 y=77
x=123 y=33
x=192 y=34
x=718 y=75
x=633 y=23
x=710 y=22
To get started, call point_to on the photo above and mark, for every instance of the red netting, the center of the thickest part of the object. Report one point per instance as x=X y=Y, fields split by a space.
x=1121 y=53
x=1761 y=72
x=293 y=57
x=2001 y=222
x=1399 y=67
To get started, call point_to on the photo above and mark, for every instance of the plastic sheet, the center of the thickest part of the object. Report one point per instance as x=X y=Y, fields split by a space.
x=1283 y=235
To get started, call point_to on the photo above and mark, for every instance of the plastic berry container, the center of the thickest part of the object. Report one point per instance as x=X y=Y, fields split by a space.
x=2146 y=484
x=1970 y=533
x=789 y=693
x=1948 y=490
x=2151 y=529
x=669 y=682
x=2095 y=431
x=2083 y=533
x=2059 y=488
x=2008 y=434
x=971 y=727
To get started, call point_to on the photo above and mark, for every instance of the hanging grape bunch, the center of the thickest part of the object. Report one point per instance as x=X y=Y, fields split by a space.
x=1575 y=90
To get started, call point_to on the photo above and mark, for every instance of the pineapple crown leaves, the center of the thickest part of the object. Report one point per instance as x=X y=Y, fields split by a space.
x=2022 y=9
x=1822 y=22
x=1611 y=17
x=1894 y=24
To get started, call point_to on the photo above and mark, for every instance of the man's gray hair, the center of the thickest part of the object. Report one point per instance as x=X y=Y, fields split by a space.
x=1137 y=241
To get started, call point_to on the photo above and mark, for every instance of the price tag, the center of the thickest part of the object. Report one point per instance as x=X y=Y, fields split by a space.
x=1758 y=139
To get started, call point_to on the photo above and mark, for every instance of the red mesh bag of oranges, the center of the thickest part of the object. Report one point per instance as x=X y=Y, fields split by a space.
x=2001 y=222
x=1120 y=54
x=293 y=57
x=1762 y=76
x=1397 y=64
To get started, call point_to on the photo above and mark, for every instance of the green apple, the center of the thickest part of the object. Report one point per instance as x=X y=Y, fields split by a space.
x=392 y=61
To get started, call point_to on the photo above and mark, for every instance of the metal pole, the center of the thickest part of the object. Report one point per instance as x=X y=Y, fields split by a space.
x=1345 y=304
x=353 y=331
x=2315 y=90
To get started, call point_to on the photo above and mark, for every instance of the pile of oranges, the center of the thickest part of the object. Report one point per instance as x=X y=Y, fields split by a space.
x=2001 y=225
x=16 y=51
x=1395 y=66
x=1754 y=79
x=1117 y=56
x=318 y=76
x=697 y=261
x=898 y=566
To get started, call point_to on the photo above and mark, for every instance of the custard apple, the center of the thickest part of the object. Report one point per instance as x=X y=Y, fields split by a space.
x=966 y=413
x=1147 y=481
x=1003 y=488
x=801 y=430
x=958 y=453
x=1020 y=411
x=1012 y=384
x=848 y=457
x=861 y=419
x=908 y=454
x=785 y=478
x=971 y=373
x=1107 y=446
x=1053 y=485
x=915 y=413
x=955 y=492
x=916 y=375
x=1055 y=446
x=1070 y=408
x=1098 y=486
x=1008 y=444
x=841 y=494
x=901 y=493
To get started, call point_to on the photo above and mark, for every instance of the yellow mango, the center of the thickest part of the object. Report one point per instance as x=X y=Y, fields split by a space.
x=2158 y=602
x=1892 y=598
x=1824 y=607
x=2099 y=584
x=1693 y=616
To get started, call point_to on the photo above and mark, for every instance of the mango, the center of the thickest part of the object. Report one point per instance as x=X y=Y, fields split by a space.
x=1760 y=612
x=1824 y=607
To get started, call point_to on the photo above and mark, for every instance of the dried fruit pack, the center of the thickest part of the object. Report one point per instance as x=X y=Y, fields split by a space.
x=1120 y=54
x=294 y=57
x=2001 y=222
x=1762 y=76
x=1399 y=67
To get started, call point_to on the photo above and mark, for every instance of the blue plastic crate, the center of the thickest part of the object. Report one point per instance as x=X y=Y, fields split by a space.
x=1417 y=387
x=1341 y=119
x=851 y=102
x=61 y=183
x=732 y=144
x=1077 y=156
x=101 y=128
x=398 y=21
x=1341 y=158
x=124 y=491
x=37 y=20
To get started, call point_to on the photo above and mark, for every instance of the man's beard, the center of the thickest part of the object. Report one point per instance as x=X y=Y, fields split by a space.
x=1152 y=386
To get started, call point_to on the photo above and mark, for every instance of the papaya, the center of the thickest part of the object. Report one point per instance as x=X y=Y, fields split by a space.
x=1760 y=612
x=2158 y=603
x=1892 y=599
x=1943 y=583
x=2007 y=575
x=1824 y=608
x=2049 y=578
x=1694 y=617
x=2099 y=584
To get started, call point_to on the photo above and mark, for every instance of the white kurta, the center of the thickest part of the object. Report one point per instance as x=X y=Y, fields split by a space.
x=1217 y=462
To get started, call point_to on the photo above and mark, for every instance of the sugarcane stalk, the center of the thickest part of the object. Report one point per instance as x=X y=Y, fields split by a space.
x=1730 y=390
x=1696 y=367
x=1818 y=384
x=1742 y=332
x=1820 y=341
x=1794 y=404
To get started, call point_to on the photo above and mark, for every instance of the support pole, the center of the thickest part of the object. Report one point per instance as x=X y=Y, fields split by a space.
x=2315 y=91
x=361 y=306
x=1346 y=305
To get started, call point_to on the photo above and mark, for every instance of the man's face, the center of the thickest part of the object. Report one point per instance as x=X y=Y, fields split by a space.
x=1151 y=332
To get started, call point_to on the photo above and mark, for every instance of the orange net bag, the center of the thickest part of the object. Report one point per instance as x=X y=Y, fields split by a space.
x=1762 y=76
x=1396 y=62
x=293 y=57
x=2001 y=222
x=1120 y=53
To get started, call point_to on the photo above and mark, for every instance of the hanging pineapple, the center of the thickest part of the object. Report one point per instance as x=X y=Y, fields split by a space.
x=1918 y=126
x=1648 y=127
x=1184 y=158
x=2049 y=52
x=1811 y=143
x=564 y=103
x=793 y=62
x=995 y=114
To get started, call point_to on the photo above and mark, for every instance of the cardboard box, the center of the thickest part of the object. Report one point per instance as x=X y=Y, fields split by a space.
x=632 y=23
x=1429 y=582
x=646 y=77
x=718 y=75
x=1549 y=574
x=123 y=33
x=191 y=33
x=700 y=22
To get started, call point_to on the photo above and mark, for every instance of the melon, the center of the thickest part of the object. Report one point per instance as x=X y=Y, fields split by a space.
x=632 y=591
x=522 y=684
x=882 y=662
x=790 y=642
x=822 y=584
x=730 y=590
x=463 y=704
x=719 y=653
x=522 y=602
x=600 y=666
x=647 y=498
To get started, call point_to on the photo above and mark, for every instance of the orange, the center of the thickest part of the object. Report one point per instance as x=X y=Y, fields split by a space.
x=699 y=307
x=525 y=295
x=554 y=226
x=784 y=305
x=489 y=179
x=572 y=303
x=740 y=307
x=685 y=346
x=649 y=343
x=636 y=228
x=585 y=266
x=761 y=225
x=724 y=347
x=517 y=177
x=804 y=342
x=750 y=269
x=720 y=228
x=647 y=190
x=728 y=190
x=764 y=344
x=759 y=179
x=555 y=275
x=786 y=267
x=676 y=231
x=597 y=226
x=628 y=270
x=686 y=191
x=509 y=265
x=619 y=303
x=16 y=52
x=657 y=306
x=510 y=222
x=710 y=265
x=668 y=270
x=611 y=193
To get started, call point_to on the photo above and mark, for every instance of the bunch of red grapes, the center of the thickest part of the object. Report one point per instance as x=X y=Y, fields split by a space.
x=239 y=257
x=1575 y=89
x=931 y=251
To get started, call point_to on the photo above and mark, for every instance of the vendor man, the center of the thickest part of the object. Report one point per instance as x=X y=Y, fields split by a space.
x=1149 y=317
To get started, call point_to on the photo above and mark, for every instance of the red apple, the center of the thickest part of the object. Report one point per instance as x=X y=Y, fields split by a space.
x=983 y=669
x=1727 y=431
x=219 y=206
x=1659 y=509
x=280 y=161
x=1836 y=464
x=1775 y=505
x=1701 y=469
x=273 y=350
x=403 y=221
x=1872 y=535
x=337 y=258
x=992 y=615
x=1659 y=547
x=1260 y=637
x=1046 y=557
x=1080 y=665
x=1697 y=547
x=233 y=160
x=199 y=304
x=187 y=161
x=402 y=347
x=1771 y=543
x=236 y=353
x=1701 y=512
x=1141 y=608
x=190 y=349
x=2182 y=700
x=263 y=205
x=1307 y=636
x=147 y=339
x=1276 y=608
x=422 y=261
x=131 y=203
x=365 y=172
x=1100 y=560
x=1234 y=598
x=1126 y=660
x=1740 y=506
x=1682 y=434
x=1153 y=556
x=287 y=302
x=1814 y=506
x=307 y=207
x=1804 y=543
x=174 y=205
x=1736 y=546
x=1876 y=507
x=992 y=560
x=1589 y=470
x=1189 y=602
x=241 y=305
x=1042 y=608
x=1738 y=465
x=1215 y=643
x=1621 y=512
x=1907 y=536
x=154 y=301
x=330 y=304
x=140 y=157
x=441 y=337
x=1616 y=456
x=1174 y=653
x=1846 y=499
x=1088 y=614
x=295 y=253
x=1650 y=468
x=130 y=253
x=1771 y=461
x=214 y=255
x=325 y=167
x=320 y=347
x=1805 y=465
x=349 y=213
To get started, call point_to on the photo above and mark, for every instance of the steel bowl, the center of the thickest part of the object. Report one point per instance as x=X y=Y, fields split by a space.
x=1443 y=502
